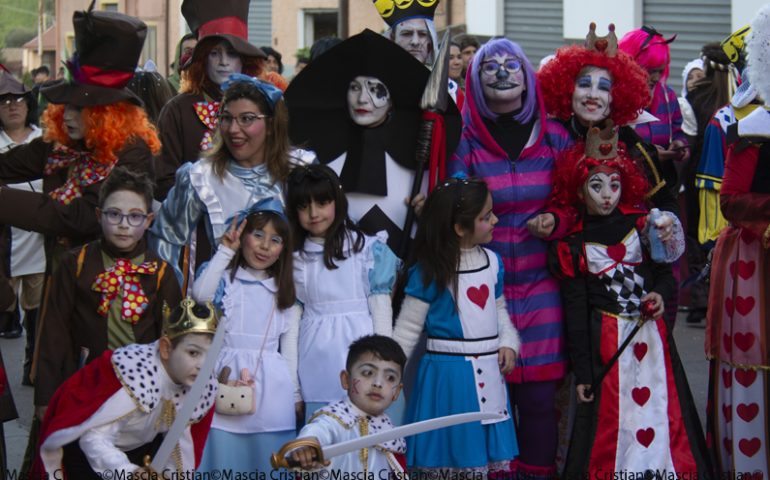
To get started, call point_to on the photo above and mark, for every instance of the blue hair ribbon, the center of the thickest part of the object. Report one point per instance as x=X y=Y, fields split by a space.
x=271 y=93
x=269 y=204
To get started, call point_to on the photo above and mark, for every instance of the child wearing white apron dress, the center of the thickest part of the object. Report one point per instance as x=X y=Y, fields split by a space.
x=344 y=279
x=455 y=294
x=250 y=280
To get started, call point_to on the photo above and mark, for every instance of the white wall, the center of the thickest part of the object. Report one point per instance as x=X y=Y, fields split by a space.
x=743 y=11
x=578 y=15
x=484 y=17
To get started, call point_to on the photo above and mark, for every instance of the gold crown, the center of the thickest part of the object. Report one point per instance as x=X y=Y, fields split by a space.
x=195 y=318
x=602 y=144
x=607 y=44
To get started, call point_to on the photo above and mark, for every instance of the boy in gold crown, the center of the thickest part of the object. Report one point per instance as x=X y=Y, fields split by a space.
x=116 y=407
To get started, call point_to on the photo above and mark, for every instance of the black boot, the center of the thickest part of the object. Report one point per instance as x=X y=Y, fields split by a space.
x=30 y=323
x=11 y=321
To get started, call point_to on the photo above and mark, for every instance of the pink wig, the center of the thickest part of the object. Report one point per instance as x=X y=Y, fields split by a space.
x=649 y=48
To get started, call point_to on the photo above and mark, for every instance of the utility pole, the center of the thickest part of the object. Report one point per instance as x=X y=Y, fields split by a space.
x=342 y=18
x=40 y=28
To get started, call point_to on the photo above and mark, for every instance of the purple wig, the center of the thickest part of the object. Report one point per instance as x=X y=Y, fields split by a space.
x=496 y=47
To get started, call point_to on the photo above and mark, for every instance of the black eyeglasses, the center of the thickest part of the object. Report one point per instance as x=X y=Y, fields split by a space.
x=8 y=101
x=243 y=120
x=114 y=217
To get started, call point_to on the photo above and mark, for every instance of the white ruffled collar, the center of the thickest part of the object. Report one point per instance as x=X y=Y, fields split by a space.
x=350 y=416
x=139 y=369
x=252 y=275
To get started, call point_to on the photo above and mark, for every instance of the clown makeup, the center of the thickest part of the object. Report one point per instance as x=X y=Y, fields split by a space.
x=222 y=62
x=591 y=98
x=414 y=37
x=124 y=218
x=502 y=80
x=372 y=383
x=368 y=101
x=602 y=192
x=73 y=122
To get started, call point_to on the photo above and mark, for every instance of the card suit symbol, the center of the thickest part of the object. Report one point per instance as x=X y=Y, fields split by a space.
x=645 y=436
x=727 y=411
x=479 y=295
x=481 y=384
x=744 y=341
x=605 y=148
x=727 y=378
x=729 y=306
x=749 y=447
x=745 y=377
x=640 y=395
x=728 y=345
x=483 y=399
x=743 y=269
x=747 y=235
x=747 y=412
x=617 y=252
x=744 y=305
x=640 y=350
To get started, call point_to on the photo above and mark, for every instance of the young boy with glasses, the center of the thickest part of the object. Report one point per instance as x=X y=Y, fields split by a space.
x=106 y=294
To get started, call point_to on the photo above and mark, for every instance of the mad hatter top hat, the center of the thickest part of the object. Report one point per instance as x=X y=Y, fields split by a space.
x=107 y=50
x=221 y=19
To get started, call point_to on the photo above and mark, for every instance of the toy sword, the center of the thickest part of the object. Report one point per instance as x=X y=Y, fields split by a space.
x=279 y=460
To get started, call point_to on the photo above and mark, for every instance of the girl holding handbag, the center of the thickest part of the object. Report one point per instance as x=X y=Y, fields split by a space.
x=250 y=281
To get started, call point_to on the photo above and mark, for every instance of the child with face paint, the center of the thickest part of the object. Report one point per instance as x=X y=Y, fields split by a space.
x=344 y=279
x=372 y=380
x=115 y=408
x=454 y=293
x=640 y=417
x=108 y=293
x=250 y=280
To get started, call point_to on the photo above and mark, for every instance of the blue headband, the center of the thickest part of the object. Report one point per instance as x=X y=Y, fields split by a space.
x=269 y=204
x=271 y=93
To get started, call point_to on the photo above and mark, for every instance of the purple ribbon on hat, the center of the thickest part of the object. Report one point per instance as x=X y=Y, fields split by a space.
x=271 y=93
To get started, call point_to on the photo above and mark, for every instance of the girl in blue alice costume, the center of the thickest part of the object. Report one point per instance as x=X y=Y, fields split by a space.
x=343 y=278
x=250 y=280
x=455 y=294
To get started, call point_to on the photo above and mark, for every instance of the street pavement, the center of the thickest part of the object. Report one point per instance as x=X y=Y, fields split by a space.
x=689 y=340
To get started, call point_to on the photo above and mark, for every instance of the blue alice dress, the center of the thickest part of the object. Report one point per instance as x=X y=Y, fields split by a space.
x=459 y=372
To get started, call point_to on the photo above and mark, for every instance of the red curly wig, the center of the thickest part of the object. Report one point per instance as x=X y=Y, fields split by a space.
x=107 y=129
x=195 y=80
x=573 y=168
x=630 y=93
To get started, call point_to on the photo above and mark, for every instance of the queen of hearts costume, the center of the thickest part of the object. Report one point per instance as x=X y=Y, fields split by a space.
x=122 y=401
x=642 y=417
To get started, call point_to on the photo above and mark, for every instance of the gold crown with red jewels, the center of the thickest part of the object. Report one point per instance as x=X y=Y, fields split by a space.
x=602 y=144
x=607 y=44
x=193 y=318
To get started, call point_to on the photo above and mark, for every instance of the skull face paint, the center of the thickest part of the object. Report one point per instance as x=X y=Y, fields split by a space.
x=368 y=101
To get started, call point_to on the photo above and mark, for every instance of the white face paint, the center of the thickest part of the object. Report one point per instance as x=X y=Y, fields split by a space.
x=368 y=101
x=502 y=80
x=222 y=62
x=414 y=37
x=184 y=362
x=602 y=192
x=372 y=383
x=73 y=122
x=591 y=98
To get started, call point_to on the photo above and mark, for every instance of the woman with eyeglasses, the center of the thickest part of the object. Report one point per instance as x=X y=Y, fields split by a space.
x=508 y=141
x=249 y=160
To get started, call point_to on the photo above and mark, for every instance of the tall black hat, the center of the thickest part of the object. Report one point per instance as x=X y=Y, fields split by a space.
x=220 y=19
x=107 y=50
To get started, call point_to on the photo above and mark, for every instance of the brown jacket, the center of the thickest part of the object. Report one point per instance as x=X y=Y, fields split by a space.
x=70 y=323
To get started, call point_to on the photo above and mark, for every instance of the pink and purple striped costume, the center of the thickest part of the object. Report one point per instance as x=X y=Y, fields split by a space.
x=520 y=189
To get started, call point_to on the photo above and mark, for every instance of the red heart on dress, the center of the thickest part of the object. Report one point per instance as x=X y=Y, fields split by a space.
x=640 y=350
x=729 y=306
x=744 y=341
x=617 y=252
x=745 y=377
x=481 y=384
x=744 y=305
x=727 y=343
x=727 y=378
x=727 y=411
x=479 y=295
x=749 y=447
x=640 y=395
x=747 y=412
x=728 y=445
x=744 y=269
x=645 y=436
x=747 y=235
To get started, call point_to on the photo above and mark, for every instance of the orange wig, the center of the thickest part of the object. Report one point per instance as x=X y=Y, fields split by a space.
x=107 y=129
x=195 y=80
